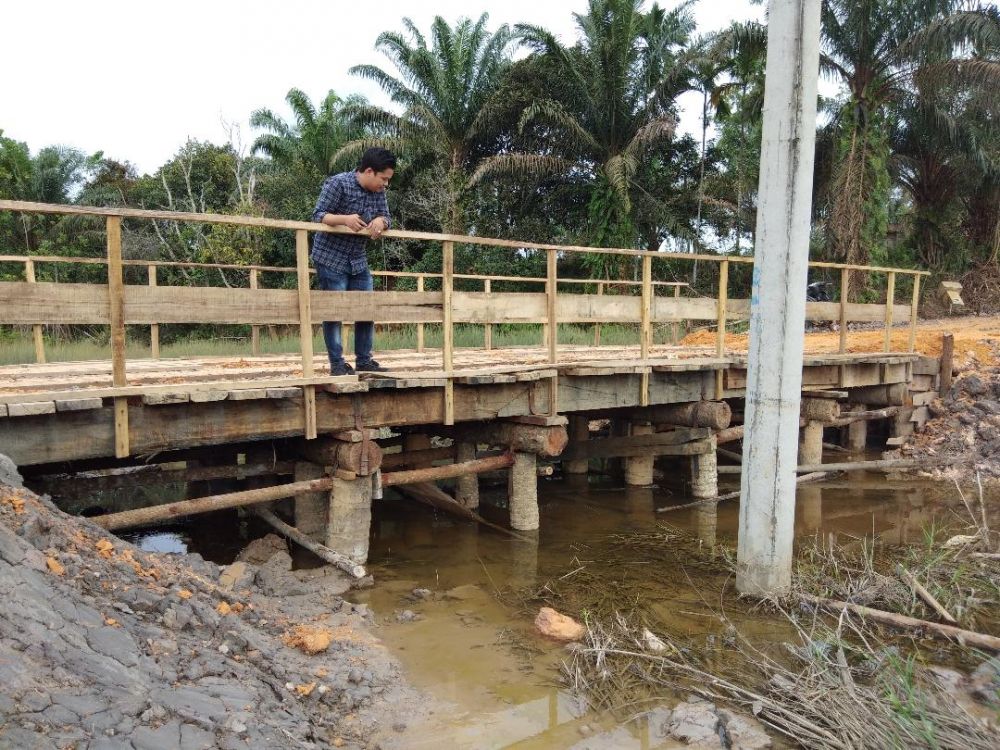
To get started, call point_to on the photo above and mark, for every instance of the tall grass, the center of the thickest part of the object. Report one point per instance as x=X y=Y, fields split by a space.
x=16 y=345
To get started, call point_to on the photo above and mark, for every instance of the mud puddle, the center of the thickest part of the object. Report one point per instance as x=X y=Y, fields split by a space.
x=473 y=644
x=451 y=599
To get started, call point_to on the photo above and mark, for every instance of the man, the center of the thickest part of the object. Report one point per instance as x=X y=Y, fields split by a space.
x=355 y=200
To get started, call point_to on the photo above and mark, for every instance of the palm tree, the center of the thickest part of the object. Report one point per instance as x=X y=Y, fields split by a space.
x=316 y=138
x=612 y=101
x=447 y=92
x=872 y=47
x=893 y=58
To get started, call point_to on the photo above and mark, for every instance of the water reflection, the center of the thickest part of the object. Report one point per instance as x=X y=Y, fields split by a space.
x=498 y=672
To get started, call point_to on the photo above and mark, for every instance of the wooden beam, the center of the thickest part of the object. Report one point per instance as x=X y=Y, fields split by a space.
x=720 y=341
x=550 y=314
x=487 y=327
x=36 y=330
x=191 y=389
x=254 y=329
x=646 y=326
x=116 y=315
x=420 y=326
x=947 y=363
x=154 y=328
x=890 y=301
x=417 y=457
x=362 y=458
x=321 y=551
x=305 y=330
x=449 y=471
x=845 y=281
x=448 y=331
x=682 y=442
x=525 y=438
x=153 y=514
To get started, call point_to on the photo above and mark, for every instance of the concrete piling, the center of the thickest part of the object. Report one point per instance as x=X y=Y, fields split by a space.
x=523 y=492
x=639 y=469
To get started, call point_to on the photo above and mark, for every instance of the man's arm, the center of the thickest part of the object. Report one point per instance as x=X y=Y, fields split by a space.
x=382 y=220
x=329 y=202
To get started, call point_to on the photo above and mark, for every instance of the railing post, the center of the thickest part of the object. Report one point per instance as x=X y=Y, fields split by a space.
x=36 y=330
x=646 y=325
x=154 y=328
x=551 y=293
x=720 y=335
x=552 y=340
x=420 y=326
x=890 y=300
x=675 y=326
x=305 y=329
x=448 y=334
x=845 y=279
x=914 y=304
x=487 y=327
x=254 y=329
x=597 y=326
x=116 y=318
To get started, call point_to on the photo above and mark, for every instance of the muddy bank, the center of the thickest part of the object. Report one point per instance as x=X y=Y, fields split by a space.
x=965 y=426
x=103 y=645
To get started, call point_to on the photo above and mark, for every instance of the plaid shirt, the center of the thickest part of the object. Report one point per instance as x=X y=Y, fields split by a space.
x=341 y=194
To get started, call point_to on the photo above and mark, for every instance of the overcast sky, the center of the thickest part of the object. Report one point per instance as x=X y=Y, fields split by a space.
x=136 y=79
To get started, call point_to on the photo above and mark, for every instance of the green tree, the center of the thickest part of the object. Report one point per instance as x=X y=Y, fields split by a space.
x=611 y=103
x=317 y=136
x=447 y=90
x=876 y=48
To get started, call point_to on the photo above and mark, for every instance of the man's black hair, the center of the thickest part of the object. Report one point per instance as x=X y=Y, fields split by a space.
x=378 y=159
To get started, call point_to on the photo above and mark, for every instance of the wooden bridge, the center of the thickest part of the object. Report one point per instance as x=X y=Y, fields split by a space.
x=665 y=398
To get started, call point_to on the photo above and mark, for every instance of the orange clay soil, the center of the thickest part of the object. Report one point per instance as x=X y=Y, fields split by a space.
x=979 y=336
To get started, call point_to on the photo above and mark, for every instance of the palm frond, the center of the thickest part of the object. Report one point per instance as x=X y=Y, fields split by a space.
x=521 y=166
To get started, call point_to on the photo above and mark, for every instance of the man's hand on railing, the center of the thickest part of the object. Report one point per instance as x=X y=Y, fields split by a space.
x=376 y=227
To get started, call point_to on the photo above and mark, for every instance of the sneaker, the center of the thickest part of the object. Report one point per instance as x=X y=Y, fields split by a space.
x=341 y=368
x=370 y=366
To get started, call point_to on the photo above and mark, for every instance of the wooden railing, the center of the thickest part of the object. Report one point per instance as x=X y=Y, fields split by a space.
x=119 y=304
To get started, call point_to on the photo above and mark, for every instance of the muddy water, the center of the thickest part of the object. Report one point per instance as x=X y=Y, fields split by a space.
x=483 y=658
x=473 y=646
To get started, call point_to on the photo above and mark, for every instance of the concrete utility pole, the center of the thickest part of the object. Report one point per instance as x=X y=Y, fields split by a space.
x=777 y=306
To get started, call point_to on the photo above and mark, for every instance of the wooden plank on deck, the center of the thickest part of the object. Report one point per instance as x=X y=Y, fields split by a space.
x=78 y=404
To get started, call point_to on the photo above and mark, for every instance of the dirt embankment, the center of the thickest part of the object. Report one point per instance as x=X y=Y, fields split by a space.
x=105 y=646
x=965 y=422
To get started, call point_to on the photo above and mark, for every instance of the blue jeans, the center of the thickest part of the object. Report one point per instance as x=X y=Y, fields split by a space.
x=364 y=331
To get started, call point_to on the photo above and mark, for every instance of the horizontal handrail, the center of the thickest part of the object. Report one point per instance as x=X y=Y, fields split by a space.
x=290 y=269
x=266 y=223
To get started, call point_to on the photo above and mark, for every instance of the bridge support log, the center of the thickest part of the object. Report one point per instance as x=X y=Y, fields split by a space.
x=362 y=458
x=639 y=469
x=579 y=432
x=857 y=432
x=350 y=517
x=811 y=443
x=715 y=414
x=705 y=471
x=543 y=440
x=523 y=491
x=889 y=394
x=311 y=508
x=467 y=486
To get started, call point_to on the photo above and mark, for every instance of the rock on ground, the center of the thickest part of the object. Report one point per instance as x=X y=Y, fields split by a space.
x=103 y=645
x=560 y=627
x=700 y=724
